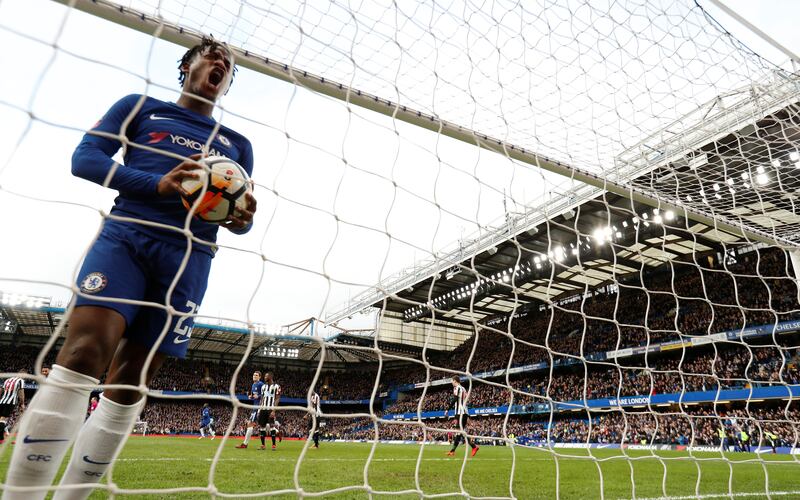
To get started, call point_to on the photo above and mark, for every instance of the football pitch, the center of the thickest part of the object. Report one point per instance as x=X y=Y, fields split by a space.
x=171 y=462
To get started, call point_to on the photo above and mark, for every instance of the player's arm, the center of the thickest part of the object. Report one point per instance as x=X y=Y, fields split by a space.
x=240 y=222
x=93 y=158
x=22 y=396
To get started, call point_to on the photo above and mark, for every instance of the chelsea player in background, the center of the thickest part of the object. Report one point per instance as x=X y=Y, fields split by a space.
x=131 y=261
x=255 y=398
x=206 y=422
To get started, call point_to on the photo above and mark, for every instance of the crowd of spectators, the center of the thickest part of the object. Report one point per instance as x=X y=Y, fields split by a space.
x=668 y=306
x=726 y=367
x=695 y=427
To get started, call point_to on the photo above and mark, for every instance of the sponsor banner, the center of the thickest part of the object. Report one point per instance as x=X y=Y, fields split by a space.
x=619 y=353
x=472 y=411
x=707 y=339
x=769 y=392
x=573 y=445
x=390 y=441
x=757 y=331
x=644 y=349
x=668 y=346
x=628 y=401
x=788 y=326
x=648 y=447
x=781 y=450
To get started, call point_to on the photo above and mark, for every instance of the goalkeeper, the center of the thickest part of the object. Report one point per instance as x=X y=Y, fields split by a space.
x=147 y=265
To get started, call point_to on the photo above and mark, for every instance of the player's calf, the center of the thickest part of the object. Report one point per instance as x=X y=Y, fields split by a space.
x=46 y=431
x=100 y=441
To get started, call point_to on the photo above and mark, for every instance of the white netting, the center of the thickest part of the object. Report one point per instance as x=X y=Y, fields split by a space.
x=634 y=324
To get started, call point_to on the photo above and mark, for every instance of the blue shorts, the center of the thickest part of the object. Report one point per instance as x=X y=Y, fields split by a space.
x=253 y=416
x=205 y=423
x=125 y=263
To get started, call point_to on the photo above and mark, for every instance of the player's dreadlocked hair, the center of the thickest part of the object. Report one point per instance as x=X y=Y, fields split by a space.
x=205 y=44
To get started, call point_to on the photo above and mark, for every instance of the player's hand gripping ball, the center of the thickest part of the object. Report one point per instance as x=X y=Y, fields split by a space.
x=226 y=184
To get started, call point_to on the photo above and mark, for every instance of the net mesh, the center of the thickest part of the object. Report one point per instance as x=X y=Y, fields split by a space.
x=645 y=318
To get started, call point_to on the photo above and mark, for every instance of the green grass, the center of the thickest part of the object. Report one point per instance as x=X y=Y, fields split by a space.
x=180 y=462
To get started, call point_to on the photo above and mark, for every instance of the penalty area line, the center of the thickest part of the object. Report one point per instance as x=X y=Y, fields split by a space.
x=320 y=459
x=710 y=496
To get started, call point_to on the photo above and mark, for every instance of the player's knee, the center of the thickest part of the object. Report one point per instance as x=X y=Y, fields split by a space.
x=85 y=354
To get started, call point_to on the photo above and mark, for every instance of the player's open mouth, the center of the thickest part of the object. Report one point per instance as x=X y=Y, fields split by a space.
x=216 y=76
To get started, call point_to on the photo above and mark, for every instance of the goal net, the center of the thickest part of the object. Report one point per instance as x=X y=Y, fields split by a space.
x=563 y=232
x=139 y=427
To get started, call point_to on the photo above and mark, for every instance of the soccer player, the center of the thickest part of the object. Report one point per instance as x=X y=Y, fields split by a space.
x=206 y=422
x=255 y=398
x=141 y=256
x=773 y=440
x=270 y=397
x=13 y=392
x=313 y=429
x=459 y=402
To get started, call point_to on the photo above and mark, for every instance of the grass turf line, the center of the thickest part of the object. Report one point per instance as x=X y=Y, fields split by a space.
x=173 y=462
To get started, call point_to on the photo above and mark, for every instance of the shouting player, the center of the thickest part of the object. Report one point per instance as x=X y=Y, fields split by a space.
x=270 y=397
x=206 y=422
x=131 y=273
x=13 y=392
x=255 y=398
x=459 y=402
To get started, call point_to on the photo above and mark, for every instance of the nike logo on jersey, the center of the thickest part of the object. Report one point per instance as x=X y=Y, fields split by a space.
x=154 y=117
x=30 y=440
x=179 y=340
x=87 y=459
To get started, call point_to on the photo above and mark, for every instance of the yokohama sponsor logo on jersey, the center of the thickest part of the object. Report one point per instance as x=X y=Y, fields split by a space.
x=156 y=137
x=11 y=387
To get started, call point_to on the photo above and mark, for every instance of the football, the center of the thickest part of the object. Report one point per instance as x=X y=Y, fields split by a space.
x=225 y=183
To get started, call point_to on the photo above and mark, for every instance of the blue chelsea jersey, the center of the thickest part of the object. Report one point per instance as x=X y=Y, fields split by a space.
x=255 y=390
x=206 y=413
x=163 y=127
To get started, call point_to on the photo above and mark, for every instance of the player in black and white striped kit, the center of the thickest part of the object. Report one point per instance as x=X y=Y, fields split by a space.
x=459 y=403
x=270 y=397
x=12 y=393
x=316 y=407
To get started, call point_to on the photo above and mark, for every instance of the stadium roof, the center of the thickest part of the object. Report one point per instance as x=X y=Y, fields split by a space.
x=735 y=159
x=599 y=242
